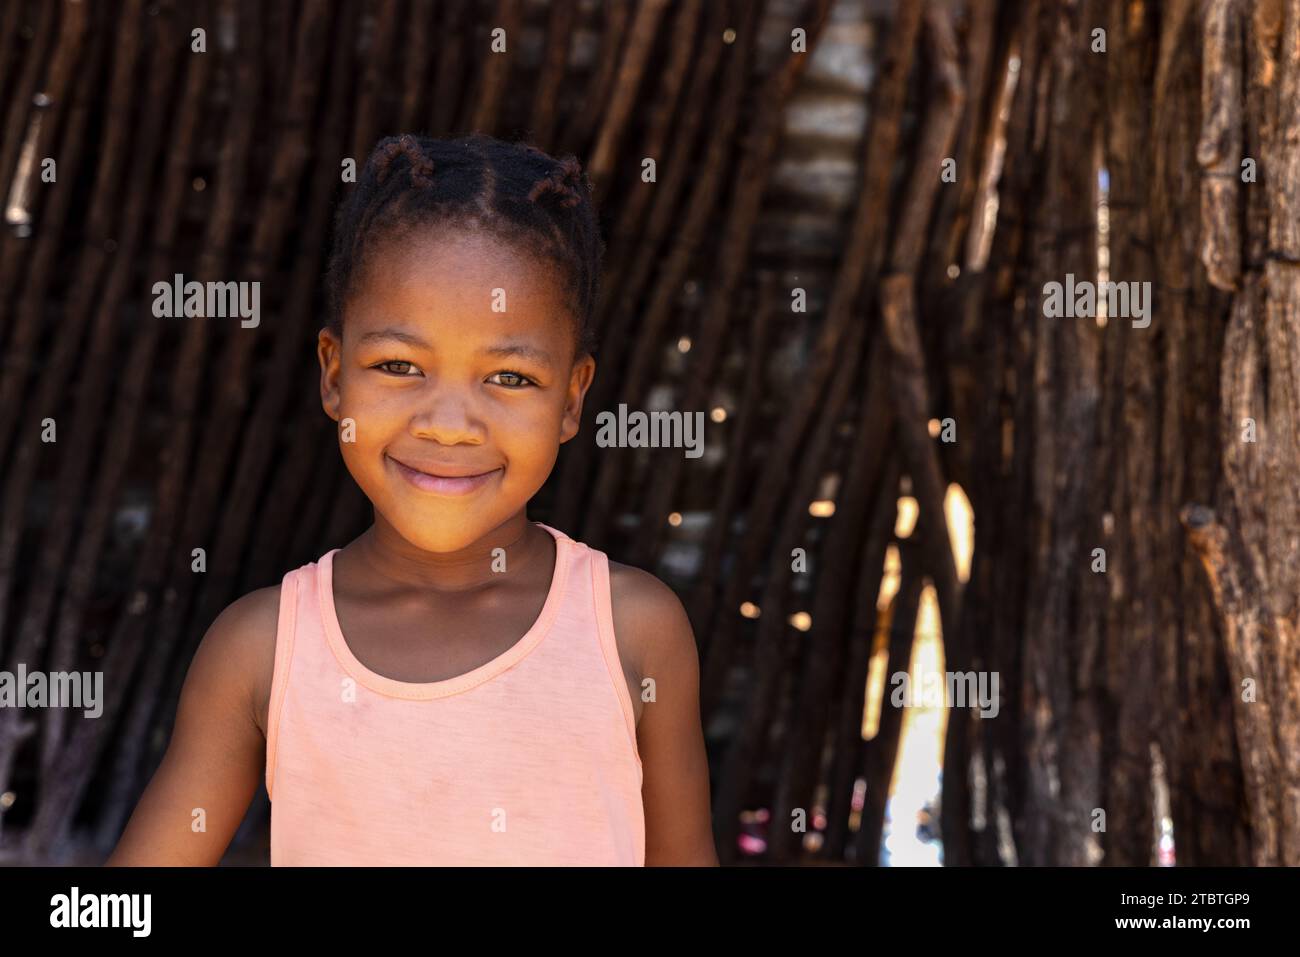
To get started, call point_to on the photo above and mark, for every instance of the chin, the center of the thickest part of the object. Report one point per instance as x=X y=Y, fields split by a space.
x=449 y=533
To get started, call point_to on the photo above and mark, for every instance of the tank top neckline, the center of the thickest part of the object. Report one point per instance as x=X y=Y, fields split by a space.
x=423 y=690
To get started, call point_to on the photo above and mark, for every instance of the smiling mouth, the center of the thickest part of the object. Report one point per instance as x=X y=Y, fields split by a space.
x=443 y=483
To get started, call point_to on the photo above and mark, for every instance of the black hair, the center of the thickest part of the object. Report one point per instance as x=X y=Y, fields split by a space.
x=515 y=190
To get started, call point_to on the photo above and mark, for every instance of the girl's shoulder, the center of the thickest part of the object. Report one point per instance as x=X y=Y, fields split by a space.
x=637 y=589
x=243 y=637
x=650 y=622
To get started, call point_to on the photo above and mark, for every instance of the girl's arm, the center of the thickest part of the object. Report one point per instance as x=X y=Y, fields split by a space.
x=216 y=758
x=675 y=787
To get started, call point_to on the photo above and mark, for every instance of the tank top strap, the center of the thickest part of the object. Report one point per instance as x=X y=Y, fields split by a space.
x=599 y=609
x=291 y=598
x=559 y=535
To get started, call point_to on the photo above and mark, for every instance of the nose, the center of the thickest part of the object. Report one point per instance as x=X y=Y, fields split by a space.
x=446 y=415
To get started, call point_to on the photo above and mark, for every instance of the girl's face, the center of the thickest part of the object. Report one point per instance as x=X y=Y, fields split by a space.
x=456 y=367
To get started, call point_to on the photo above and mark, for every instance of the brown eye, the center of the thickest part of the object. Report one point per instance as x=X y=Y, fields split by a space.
x=403 y=367
x=512 y=380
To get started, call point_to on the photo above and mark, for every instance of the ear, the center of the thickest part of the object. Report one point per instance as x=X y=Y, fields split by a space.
x=584 y=370
x=329 y=350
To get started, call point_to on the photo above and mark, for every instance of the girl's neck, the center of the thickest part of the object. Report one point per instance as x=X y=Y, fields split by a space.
x=392 y=559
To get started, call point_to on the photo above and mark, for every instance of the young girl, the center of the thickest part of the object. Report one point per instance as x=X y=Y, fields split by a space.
x=457 y=685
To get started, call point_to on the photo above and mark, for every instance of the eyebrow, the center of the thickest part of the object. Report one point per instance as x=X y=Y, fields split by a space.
x=382 y=335
x=507 y=349
x=520 y=350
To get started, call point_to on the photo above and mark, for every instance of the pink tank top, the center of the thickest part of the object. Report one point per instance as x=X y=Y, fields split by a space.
x=529 y=759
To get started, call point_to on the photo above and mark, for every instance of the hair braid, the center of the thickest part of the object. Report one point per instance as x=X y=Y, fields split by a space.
x=420 y=165
x=564 y=182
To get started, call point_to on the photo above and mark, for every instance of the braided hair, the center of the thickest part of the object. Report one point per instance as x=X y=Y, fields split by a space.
x=515 y=190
